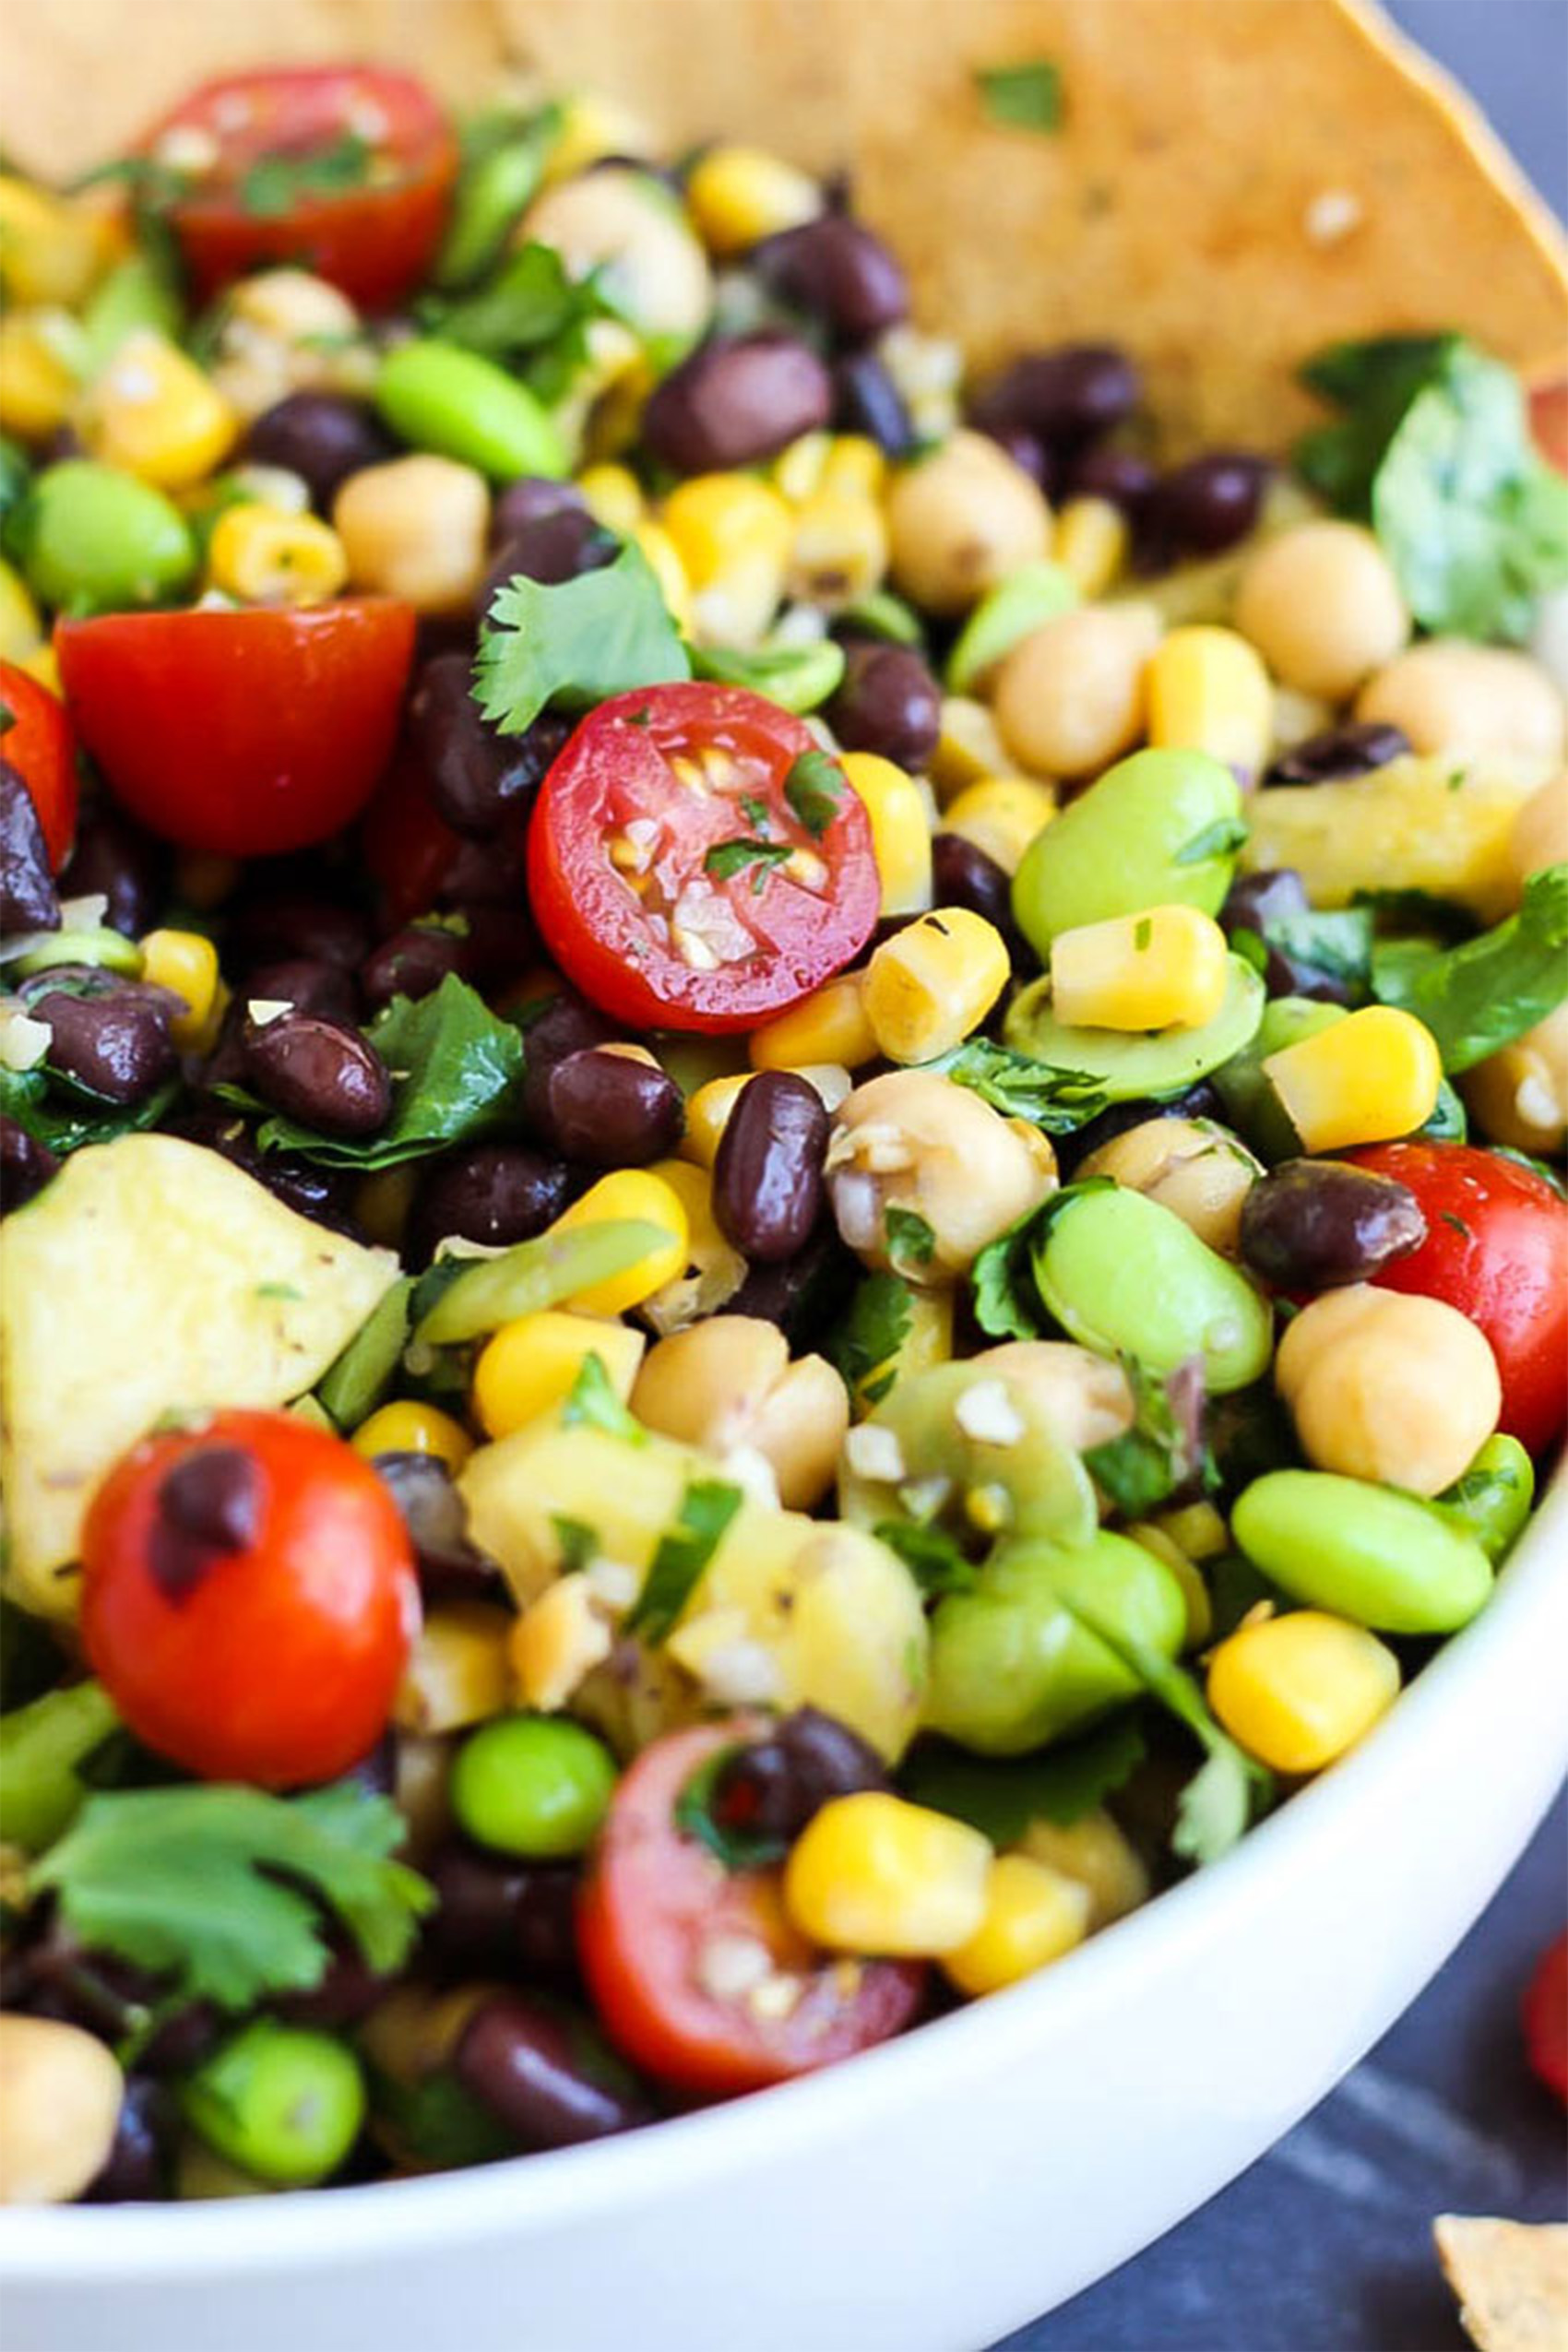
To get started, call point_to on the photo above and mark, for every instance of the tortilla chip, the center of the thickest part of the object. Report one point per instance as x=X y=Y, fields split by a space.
x=1232 y=184
x=1511 y=2278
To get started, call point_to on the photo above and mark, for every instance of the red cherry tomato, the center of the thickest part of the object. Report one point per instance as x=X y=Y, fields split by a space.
x=249 y=1598
x=37 y=743
x=1497 y=1249
x=1546 y=2018
x=341 y=170
x=656 y=1902
x=626 y=886
x=246 y=733
x=1548 y=421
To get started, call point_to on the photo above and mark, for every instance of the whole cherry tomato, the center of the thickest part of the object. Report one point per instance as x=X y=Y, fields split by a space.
x=1497 y=1249
x=1546 y=2018
x=657 y=1906
x=37 y=743
x=247 y=733
x=696 y=863
x=249 y=1598
x=342 y=169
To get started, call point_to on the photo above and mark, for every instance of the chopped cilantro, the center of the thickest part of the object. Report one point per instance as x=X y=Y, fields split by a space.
x=814 y=788
x=863 y=1347
x=593 y=1404
x=727 y=859
x=1024 y=97
x=910 y=1241
x=275 y=184
x=683 y=1552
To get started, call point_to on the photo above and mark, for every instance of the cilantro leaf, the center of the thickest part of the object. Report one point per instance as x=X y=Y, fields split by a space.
x=911 y=1239
x=1215 y=840
x=738 y=1848
x=1021 y=1088
x=1375 y=383
x=578 y=1541
x=1002 y=1796
x=1158 y=1456
x=724 y=859
x=863 y=1347
x=931 y=1555
x=1481 y=995
x=62 y=1116
x=1007 y=1301
x=1331 y=944
x=528 y=316
x=182 y=1881
x=593 y=1404
x=275 y=184
x=814 y=788
x=1026 y=97
x=576 y=643
x=683 y=1552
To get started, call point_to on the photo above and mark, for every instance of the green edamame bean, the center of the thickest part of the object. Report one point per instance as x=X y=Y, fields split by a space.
x=282 y=2103
x=1036 y=1486
x=1012 y=1668
x=1492 y=1500
x=1383 y=1559
x=534 y=1784
x=1126 y=1277
x=93 y=539
x=107 y=951
x=797 y=677
x=1158 y=829
x=1251 y=1106
x=438 y=397
x=1034 y=593
x=1128 y=1065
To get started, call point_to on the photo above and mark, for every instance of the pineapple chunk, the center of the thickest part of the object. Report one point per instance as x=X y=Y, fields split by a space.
x=151 y=1276
x=1439 y=824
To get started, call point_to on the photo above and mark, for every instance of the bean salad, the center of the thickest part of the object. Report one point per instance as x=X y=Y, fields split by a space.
x=782 y=1128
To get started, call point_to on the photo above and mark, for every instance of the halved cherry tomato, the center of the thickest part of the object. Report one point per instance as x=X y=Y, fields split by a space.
x=1497 y=1249
x=246 y=733
x=1546 y=2018
x=249 y=1598
x=656 y=1913
x=344 y=170
x=1549 y=419
x=37 y=743
x=655 y=861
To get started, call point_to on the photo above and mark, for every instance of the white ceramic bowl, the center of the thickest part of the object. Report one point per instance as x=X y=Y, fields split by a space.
x=932 y=2194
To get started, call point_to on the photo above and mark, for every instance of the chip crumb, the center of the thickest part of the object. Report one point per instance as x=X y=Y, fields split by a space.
x=1332 y=215
x=1511 y=2278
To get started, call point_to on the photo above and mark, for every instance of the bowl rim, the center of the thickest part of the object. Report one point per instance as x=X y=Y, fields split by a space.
x=529 y=2194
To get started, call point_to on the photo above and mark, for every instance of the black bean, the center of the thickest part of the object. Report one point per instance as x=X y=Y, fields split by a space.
x=115 y=857
x=1254 y=899
x=348 y=1991
x=474 y=774
x=499 y=942
x=734 y=400
x=774 y=1787
x=545 y=2074
x=1028 y=452
x=207 y=1505
x=412 y=963
x=115 y=1044
x=135 y=2169
x=835 y=270
x=497 y=1194
x=306 y=983
x=28 y=897
x=556 y=548
x=867 y=401
x=608 y=1109
x=320 y=1193
x=1065 y=397
x=495 y=1914
x=1349 y=750
x=804 y=1295
x=1315 y=1224
x=768 y=1181
x=530 y=499
x=1119 y=475
x=964 y=875
x=887 y=702
x=451 y=1565
x=321 y=437
x=490 y=870
x=285 y=925
x=26 y=1166
x=567 y=1026
x=1206 y=505
x=323 y=1075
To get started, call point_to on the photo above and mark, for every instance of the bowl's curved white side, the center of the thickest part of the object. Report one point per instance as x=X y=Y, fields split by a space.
x=937 y=2191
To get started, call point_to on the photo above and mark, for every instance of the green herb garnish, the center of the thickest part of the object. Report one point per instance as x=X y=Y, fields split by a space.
x=1026 y=97
x=706 y=1508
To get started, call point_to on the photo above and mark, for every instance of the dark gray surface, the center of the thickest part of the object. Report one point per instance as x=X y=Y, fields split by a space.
x=1325 y=2245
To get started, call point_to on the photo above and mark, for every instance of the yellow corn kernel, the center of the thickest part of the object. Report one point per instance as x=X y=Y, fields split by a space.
x=664 y=562
x=876 y=1875
x=185 y=962
x=969 y=748
x=853 y=467
x=1001 y=814
x=1033 y=1914
x=633 y=1193
x=732 y=534
x=613 y=495
x=409 y=1428
x=1092 y=543
x=1208 y=692
x=531 y=1364
x=461 y=1673
x=840 y=549
x=22 y=627
x=39 y=372
x=51 y=249
x=713 y=1270
x=1162 y=969
x=900 y=835
x=594 y=125
x=798 y=469
x=384 y=1202
x=261 y=556
x=1366 y=1079
x=830 y=1025
x=708 y=1114
x=44 y=665
x=1298 y=1690
x=737 y=195
x=933 y=983
x=155 y=414
x=560 y=1637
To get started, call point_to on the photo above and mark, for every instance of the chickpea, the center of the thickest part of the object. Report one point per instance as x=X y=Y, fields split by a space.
x=60 y=2093
x=416 y=527
x=1520 y=1094
x=962 y=520
x=730 y=1382
x=621 y=220
x=1100 y=1855
x=1540 y=830
x=1192 y=1167
x=913 y=1140
x=1323 y=607
x=1473 y=700
x=1086 y=1398
x=1402 y=1391
x=286 y=331
x=1069 y=698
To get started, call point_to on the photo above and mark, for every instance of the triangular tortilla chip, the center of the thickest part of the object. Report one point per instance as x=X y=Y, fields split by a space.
x=1511 y=2278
